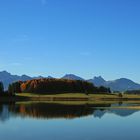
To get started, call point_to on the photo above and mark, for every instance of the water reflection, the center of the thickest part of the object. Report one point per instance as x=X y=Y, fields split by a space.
x=4 y=112
x=55 y=111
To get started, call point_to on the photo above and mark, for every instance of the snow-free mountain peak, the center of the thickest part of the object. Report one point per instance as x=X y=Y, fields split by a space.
x=72 y=77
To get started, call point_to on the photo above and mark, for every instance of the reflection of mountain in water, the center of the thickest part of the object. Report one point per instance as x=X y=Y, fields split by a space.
x=119 y=112
x=99 y=113
x=122 y=112
x=50 y=111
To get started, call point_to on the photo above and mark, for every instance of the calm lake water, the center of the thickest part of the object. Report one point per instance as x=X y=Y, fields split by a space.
x=43 y=121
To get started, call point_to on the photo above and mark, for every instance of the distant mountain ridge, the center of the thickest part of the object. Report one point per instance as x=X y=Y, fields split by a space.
x=8 y=78
x=98 y=81
x=72 y=77
x=121 y=84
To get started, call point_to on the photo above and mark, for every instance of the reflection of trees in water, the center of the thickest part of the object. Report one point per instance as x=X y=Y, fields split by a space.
x=43 y=110
x=50 y=111
x=4 y=111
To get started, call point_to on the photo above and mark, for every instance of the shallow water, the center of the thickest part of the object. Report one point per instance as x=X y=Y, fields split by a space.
x=39 y=121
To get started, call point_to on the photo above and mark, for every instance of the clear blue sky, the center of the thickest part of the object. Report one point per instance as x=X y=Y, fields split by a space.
x=83 y=37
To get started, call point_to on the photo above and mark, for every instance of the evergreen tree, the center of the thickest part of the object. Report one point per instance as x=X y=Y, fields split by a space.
x=1 y=88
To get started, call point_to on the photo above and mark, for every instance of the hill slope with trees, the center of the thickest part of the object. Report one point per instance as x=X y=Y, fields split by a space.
x=55 y=86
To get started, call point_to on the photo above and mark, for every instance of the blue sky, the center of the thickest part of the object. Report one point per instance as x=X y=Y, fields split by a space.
x=83 y=37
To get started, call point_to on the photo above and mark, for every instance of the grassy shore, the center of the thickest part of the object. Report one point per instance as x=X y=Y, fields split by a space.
x=77 y=97
x=100 y=101
x=95 y=100
x=80 y=97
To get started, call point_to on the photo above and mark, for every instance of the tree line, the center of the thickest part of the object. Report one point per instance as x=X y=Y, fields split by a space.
x=53 y=86
x=1 y=88
x=132 y=92
x=2 y=91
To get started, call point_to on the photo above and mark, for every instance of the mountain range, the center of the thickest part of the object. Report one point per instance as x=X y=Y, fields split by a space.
x=121 y=84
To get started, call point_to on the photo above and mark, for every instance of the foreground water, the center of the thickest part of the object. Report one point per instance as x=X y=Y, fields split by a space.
x=43 y=121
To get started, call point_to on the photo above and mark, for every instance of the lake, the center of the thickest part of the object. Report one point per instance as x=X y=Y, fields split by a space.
x=55 y=121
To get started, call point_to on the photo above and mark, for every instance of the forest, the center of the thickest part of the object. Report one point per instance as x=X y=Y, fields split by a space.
x=55 y=86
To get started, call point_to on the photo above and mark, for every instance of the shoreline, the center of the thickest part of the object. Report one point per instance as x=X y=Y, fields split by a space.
x=90 y=98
